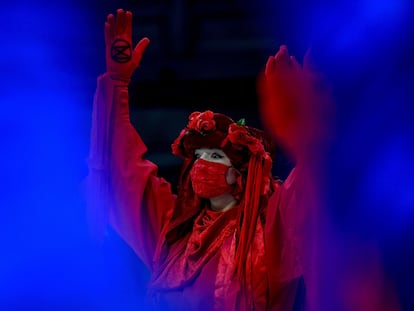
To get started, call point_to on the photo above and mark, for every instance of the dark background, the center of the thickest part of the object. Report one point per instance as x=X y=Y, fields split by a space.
x=203 y=55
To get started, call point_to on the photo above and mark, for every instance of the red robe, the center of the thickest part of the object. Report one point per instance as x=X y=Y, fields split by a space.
x=124 y=190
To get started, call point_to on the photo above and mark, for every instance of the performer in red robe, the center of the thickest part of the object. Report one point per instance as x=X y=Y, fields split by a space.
x=232 y=237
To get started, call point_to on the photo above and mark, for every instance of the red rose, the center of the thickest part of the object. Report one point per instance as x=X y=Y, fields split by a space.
x=238 y=135
x=193 y=118
x=202 y=122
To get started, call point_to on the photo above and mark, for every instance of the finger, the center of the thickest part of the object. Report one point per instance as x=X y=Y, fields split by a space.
x=110 y=19
x=270 y=64
x=282 y=59
x=282 y=52
x=140 y=49
x=120 y=21
x=109 y=29
x=128 y=24
x=295 y=63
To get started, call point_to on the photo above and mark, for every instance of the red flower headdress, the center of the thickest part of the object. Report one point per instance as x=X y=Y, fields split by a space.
x=215 y=130
x=202 y=122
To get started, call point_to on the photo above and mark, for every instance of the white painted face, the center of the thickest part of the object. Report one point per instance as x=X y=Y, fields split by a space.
x=212 y=155
x=217 y=156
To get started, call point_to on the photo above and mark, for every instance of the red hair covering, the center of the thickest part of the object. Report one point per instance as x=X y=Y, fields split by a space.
x=250 y=151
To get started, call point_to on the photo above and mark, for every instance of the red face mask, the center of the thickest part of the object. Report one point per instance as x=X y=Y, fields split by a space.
x=209 y=178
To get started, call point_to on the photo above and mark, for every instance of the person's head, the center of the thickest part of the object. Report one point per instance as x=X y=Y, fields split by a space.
x=231 y=140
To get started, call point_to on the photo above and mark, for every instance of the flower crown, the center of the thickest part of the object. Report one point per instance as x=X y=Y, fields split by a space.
x=238 y=133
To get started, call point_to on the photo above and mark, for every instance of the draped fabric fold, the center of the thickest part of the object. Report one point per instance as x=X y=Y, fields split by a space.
x=185 y=260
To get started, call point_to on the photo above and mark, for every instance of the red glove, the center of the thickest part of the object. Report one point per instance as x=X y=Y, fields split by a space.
x=295 y=103
x=121 y=59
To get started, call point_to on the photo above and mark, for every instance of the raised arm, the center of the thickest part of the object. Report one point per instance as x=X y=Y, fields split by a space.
x=123 y=188
x=296 y=107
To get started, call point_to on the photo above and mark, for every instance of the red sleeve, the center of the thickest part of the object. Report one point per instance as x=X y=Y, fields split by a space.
x=283 y=257
x=294 y=226
x=126 y=191
x=281 y=232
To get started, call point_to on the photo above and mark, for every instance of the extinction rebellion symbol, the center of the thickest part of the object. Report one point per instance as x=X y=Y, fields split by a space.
x=121 y=51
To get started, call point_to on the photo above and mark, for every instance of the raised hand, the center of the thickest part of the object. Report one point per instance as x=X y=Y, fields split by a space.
x=121 y=59
x=295 y=102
